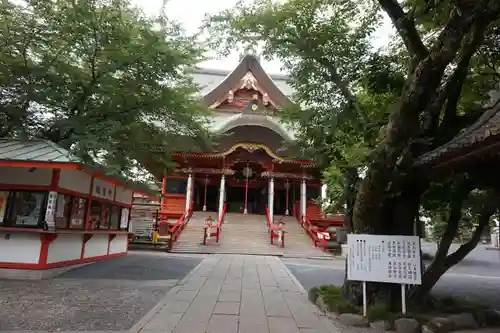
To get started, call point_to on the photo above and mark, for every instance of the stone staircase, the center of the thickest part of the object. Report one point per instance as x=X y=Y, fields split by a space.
x=192 y=236
x=246 y=234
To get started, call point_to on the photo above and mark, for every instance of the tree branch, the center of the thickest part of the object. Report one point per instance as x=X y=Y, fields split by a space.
x=465 y=249
x=333 y=76
x=449 y=93
x=406 y=29
x=454 y=90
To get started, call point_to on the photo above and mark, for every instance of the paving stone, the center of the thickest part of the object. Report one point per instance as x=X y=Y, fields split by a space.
x=228 y=308
x=251 y=285
x=190 y=327
x=223 y=324
x=165 y=323
x=306 y=320
x=282 y=325
x=229 y=296
x=277 y=308
x=252 y=329
x=176 y=307
x=198 y=313
x=185 y=295
x=255 y=317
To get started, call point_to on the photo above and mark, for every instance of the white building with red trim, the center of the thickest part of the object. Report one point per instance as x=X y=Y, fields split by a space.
x=56 y=211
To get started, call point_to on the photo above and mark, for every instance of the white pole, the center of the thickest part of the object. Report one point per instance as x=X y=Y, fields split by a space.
x=271 y=199
x=303 y=197
x=189 y=191
x=222 y=194
x=403 y=299
x=364 y=299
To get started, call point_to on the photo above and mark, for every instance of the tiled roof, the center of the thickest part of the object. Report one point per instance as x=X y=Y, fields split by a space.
x=34 y=150
x=486 y=127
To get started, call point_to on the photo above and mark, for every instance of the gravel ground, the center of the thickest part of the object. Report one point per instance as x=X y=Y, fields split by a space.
x=109 y=295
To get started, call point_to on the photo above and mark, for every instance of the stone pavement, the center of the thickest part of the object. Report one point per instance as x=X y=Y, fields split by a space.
x=237 y=294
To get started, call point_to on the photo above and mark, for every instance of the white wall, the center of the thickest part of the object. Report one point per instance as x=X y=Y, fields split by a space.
x=96 y=246
x=65 y=247
x=22 y=176
x=118 y=244
x=123 y=195
x=75 y=180
x=103 y=189
x=20 y=247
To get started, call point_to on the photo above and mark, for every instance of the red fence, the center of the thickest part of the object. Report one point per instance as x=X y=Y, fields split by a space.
x=275 y=230
x=217 y=226
x=312 y=231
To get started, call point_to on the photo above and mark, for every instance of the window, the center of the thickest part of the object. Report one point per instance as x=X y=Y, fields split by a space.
x=78 y=206
x=115 y=217
x=4 y=197
x=176 y=186
x=105 y=216
x=63 y=211
x=26 y=208
x=95 y=214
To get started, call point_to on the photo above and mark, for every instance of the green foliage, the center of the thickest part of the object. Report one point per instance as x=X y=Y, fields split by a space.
x=333 y=299
x=313 y=294
x=378 y=312
x=373 y=113
x=97 y=77
x=435 y=206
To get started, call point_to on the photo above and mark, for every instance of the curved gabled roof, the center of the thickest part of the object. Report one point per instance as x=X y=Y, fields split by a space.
x=245 y=119
x=249 y=63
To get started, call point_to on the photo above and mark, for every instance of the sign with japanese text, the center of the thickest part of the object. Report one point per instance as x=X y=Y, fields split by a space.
x=383 y=258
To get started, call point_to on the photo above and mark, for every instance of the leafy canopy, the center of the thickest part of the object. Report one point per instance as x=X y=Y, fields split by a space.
x=98 y=77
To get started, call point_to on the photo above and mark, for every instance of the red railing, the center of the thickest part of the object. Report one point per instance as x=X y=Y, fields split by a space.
x=274 y=230
x=312 y=231
x=172 y=230
x=217 y=227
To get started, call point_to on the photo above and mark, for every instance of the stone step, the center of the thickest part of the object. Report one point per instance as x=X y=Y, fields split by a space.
x=246 y=234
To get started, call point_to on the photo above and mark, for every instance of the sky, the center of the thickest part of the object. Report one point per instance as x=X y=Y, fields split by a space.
x=190 y=14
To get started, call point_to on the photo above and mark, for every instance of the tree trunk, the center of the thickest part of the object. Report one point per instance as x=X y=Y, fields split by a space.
x=442 y=261
x=435 y=271
x=398 y=213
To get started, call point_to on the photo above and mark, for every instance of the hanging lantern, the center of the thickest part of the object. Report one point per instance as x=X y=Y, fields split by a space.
x=287 y=185
x=247 y=172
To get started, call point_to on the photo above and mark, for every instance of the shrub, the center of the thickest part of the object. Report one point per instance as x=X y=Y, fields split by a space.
x=333 y=299
x=313 y=294
x=379 y=311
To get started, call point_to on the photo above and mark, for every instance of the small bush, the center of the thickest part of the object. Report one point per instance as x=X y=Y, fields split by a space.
x=333 y=299
x=313 y=294
x=379 y=311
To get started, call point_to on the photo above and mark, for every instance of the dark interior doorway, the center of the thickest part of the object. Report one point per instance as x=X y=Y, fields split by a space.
x=235 y=198
x=212 y=198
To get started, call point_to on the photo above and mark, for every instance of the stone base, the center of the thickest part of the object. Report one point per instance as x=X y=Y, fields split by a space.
x=34 y=274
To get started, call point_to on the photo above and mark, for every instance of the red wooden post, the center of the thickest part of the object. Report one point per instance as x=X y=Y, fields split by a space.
x=205 y=198
x=246 y=196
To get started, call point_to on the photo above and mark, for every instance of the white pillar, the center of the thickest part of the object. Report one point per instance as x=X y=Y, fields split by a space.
x=205 y=194
x=189 y=191
x=271 y=198
x=303 y=197
x=222 y=194
x=324 y=197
